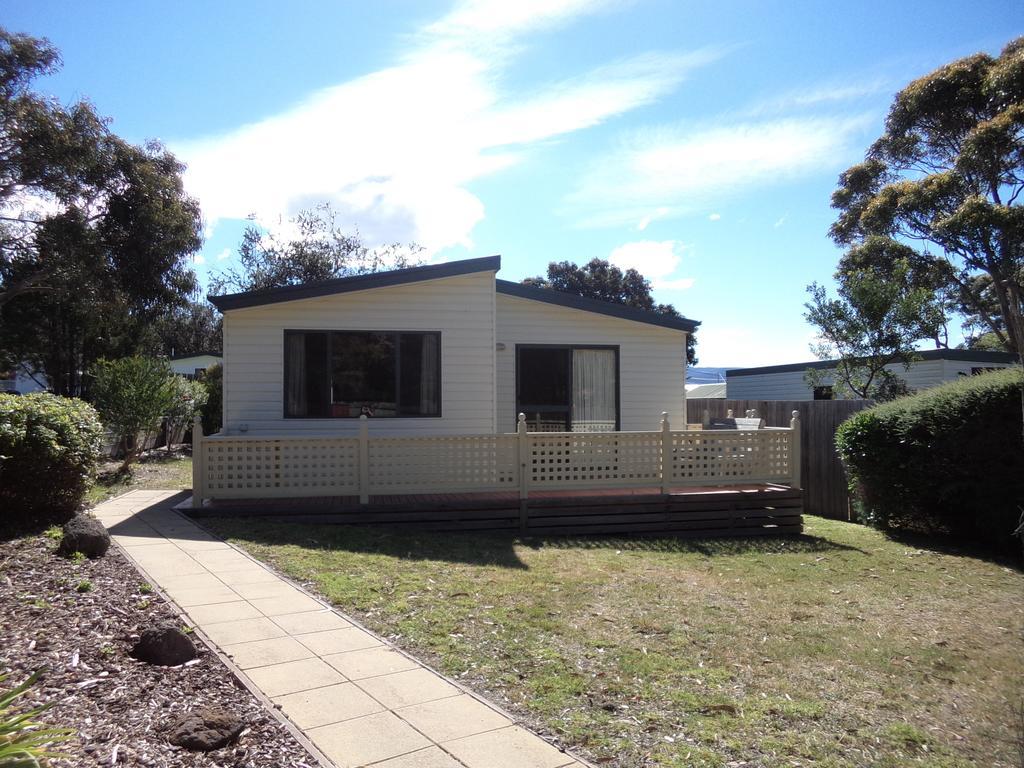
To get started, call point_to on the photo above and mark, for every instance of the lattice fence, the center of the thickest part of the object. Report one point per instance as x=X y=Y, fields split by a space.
x=257 y=467
x=724 y=456
x=590 y=460
x=230 y=467
x=443 y=464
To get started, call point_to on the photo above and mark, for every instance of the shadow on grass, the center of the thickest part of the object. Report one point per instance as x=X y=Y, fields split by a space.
x=708 y=547
x=471 y=548
x=956 y=546
x=492 y=549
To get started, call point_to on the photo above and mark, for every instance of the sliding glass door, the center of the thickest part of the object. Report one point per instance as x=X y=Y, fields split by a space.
x=568 y=389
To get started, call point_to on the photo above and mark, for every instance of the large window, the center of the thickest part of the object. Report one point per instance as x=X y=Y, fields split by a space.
x=344 y=374
x=568 y=389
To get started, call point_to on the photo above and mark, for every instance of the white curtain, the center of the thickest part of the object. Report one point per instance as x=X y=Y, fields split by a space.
x=295 y=349
x=593 y=390
x=429 y=399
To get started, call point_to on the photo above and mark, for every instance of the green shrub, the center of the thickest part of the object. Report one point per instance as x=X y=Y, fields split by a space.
x=187 y=402
x=49 y=447
x=213 y=379
x=948 y=459
x=132 y=395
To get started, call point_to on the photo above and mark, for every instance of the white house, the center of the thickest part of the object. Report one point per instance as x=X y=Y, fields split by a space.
x=190 y=366
x=23 y=381
x=787 y=382
x=445 y=349
x=716 y=391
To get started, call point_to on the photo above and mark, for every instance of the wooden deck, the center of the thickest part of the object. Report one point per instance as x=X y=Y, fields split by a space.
x=742 y=510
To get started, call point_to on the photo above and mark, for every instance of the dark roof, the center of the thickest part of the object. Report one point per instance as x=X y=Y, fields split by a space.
x=963 y=355
x=551 y=296
x=355 y=283
x=196 y=354
x=448 y=269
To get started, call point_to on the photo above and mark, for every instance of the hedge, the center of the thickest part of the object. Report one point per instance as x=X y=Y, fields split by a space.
x=49 y=447
x=946 y=460
x=213 y=379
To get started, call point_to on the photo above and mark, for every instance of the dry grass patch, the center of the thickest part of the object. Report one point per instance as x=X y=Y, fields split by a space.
x=157 y=470
x=838 y=648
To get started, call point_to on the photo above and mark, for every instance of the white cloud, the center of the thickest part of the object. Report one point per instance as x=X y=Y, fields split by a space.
x=224 y=255
x=714 y=217
x=683 y=169
x=655 y=260
x=780 y=222
x=495 y=20
x=199 y=258
x=822 y=94
x=395 y=149
x=646 y=220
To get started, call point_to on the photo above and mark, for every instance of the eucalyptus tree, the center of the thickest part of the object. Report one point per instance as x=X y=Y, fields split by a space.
x=310 y=248
x=95 y=232
x=600 y=279
x=940 y=190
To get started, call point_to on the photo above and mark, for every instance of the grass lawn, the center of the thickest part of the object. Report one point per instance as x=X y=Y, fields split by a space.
x=838 y=648
x=158 y=470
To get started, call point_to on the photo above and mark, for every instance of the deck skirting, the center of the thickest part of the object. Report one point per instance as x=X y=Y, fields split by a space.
x=690 y=512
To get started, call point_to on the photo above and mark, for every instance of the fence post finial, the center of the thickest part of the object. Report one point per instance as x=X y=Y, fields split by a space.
x=364 y=459
x=794 y=450
x=524 y=467
x=666 y=453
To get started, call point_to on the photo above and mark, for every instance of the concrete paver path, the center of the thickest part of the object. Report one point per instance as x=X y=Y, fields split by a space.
x=358 y=700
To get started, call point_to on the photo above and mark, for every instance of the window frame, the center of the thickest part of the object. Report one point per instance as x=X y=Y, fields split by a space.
x=823 y=392
x=398 y=371
x=569 y=370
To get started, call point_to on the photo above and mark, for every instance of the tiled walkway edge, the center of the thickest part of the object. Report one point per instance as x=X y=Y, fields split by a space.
x=358 y=700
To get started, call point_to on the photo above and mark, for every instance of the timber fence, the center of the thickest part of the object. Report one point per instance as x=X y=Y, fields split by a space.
x=824 y=479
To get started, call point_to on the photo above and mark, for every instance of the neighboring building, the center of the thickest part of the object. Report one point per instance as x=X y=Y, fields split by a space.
x=190 y=366
x=705 y=375
x=695 y=391
x=445 y=349
x=787 y=382
x=22 y=381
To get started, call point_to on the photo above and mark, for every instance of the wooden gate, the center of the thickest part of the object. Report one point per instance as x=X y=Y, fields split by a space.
x=824 y=480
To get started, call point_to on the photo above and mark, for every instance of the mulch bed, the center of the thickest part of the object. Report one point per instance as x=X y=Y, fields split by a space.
x=119 y=707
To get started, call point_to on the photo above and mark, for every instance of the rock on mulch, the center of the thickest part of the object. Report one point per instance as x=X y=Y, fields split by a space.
x=164 y=644
x=84 y=533
x=80 y=620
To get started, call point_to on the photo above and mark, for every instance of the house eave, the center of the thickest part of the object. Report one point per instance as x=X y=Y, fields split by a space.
x=341 y=285
x=558 y=298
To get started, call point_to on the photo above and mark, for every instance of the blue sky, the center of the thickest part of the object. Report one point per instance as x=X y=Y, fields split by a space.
x=698 y=142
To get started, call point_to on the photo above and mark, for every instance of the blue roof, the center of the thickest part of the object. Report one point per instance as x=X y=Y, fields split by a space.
x=960 y=355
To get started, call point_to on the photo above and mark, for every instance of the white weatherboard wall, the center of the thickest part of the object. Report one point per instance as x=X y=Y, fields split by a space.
x=461 y=308
x=189 y=365
x=790 y=385
x=652 y=360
